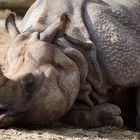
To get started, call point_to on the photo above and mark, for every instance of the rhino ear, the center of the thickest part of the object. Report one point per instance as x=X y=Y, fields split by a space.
x=11 y=26
x=55 y=30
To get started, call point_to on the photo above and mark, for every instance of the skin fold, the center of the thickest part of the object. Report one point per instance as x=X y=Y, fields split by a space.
x=68 y=62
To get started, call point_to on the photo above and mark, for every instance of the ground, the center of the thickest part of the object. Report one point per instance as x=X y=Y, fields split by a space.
x=58 y=131
x=68 y=133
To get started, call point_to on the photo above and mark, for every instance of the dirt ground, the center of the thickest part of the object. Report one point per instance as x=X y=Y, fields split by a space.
x=59 y=132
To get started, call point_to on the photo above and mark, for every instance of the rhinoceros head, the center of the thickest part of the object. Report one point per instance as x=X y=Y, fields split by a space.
x=41 y=83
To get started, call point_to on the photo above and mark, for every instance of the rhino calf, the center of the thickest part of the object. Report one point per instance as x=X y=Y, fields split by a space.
x=66 y=58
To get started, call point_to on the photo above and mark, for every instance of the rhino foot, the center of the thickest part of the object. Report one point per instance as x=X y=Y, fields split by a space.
x=98 y=116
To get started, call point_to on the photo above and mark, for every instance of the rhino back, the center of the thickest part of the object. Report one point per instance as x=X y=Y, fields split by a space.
x=114 y=27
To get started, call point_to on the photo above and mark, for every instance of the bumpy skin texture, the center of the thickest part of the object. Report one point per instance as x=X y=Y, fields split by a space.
x=97 y=40
x=107 y=31
x=114 y=27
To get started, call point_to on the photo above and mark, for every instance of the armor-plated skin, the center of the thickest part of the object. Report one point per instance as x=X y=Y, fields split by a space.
x=85 y=48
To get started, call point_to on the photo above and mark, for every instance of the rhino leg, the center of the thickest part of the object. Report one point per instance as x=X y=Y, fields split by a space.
x=100 y=115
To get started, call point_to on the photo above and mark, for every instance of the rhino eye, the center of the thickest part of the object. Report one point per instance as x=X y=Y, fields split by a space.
x=29 y=83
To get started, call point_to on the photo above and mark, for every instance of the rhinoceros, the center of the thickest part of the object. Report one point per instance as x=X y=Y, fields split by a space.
x=65 y=60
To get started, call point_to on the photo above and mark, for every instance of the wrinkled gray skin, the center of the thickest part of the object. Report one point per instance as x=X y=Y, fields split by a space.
x=65 y=59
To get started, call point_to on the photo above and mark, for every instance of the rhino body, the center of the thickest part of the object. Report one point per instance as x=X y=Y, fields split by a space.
x=112 y=26
x=67 y=57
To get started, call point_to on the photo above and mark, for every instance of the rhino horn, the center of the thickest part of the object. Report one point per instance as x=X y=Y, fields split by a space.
x=11 y=26
x=55 y=30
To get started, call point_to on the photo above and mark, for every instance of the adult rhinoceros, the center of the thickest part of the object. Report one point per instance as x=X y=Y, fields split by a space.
x=64 y=60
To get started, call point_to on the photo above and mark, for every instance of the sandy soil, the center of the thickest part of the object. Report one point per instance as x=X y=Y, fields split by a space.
x=59 y=132
x=68 y=133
